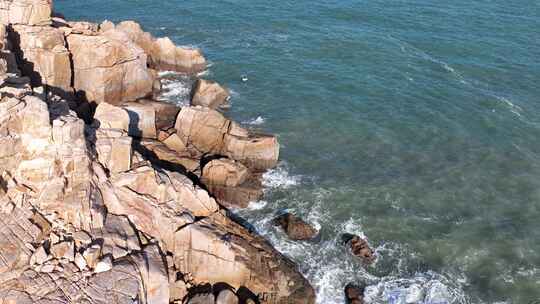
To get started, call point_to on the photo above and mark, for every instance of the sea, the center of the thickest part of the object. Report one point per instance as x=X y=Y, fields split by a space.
x=413 y=123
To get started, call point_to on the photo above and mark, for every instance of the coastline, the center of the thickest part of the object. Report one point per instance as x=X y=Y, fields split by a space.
x=106 y=191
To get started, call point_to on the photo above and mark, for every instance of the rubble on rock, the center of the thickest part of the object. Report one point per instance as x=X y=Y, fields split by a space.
x=103 y=193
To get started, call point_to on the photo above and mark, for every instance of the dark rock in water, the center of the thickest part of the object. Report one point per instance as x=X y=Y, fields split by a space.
x=296 y=228
x=354 y=294
x=359 y=247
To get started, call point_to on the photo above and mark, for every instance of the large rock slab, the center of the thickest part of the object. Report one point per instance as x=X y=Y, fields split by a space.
x=167 y=56
x=163 y=54
x=109 y=68
x=43 y=56
x=27 y=12
x=215 y=249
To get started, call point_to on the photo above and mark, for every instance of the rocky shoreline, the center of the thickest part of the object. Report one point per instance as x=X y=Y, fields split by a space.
x=110 y=196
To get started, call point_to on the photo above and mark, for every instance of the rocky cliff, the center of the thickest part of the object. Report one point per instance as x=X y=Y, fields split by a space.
x=108 y=196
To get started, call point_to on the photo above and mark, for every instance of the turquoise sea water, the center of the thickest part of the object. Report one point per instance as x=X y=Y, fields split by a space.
x=415 y=123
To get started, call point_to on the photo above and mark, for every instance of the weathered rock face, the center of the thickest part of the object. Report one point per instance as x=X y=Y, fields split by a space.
x=216 y=249
x=109 y=68
x=42 y=55
x=224 y=172
x=208 y=131
x=26 y=12
x=296 y=228
x=168 y=56
x=231 y=182
x=162 y=52
x=209 y=94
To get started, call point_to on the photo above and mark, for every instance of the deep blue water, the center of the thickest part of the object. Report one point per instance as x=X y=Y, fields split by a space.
x=415 y=123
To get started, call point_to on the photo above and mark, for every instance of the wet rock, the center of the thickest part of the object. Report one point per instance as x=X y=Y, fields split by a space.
x=359 y=247
x=226 y=296
x=296 y=228
x=209 y=94
x=354 y=294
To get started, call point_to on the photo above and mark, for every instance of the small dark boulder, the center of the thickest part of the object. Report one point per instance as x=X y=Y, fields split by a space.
x=296 y=228
x=354 y=294
x=359 y=247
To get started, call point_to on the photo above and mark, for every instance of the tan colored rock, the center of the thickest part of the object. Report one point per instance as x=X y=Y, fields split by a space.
x=207 y=93
x=165 y=157
x=111 y=117
x=91 y=255
x=105 y=264
x=226 y=296
x=134 y=31
x=224 y=172
x=82 y=239
x=216 y=249
x=65 y=250
x=39 y=256
x=154 y=275
x=122 y=284
x=118 y=235
x=165 y=112
x=80 y=261
x=239 y=196
x=202 y=128
x=109 y=68
x=83 y=27
x=167 y=56
x=106 y=25
x=178 y=291
x=114 y=150
x=175 y=143
x=27 y=12
x=142 y=120
x=44 y=56
x=257 y=152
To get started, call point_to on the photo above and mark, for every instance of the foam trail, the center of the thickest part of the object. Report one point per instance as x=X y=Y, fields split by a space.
x=256 y=121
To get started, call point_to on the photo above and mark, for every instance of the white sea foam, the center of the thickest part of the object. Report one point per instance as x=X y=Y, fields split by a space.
x=258 y=205
x=280 y=178
x=513 y=108
x=255 y=121
x=176 y=91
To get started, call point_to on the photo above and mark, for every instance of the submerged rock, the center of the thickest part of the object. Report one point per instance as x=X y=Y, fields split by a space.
x=296 y=228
